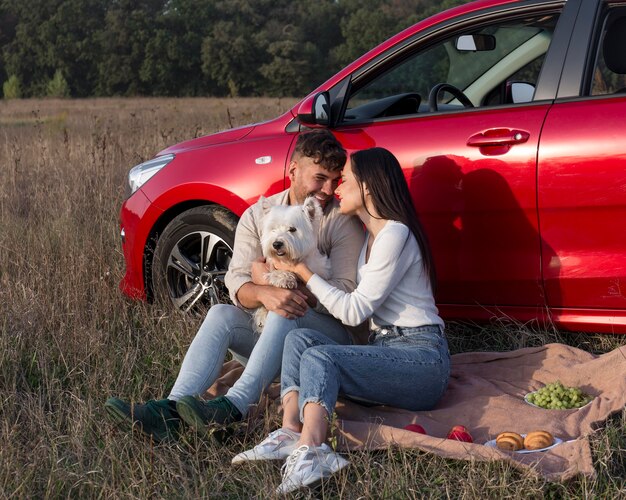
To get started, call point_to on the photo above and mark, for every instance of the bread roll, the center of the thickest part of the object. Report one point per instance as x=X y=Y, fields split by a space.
x=536 y=440
x=509 y=441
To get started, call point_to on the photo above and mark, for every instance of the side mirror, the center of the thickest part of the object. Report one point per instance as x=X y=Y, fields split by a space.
x=315 y=110
x=475 y=43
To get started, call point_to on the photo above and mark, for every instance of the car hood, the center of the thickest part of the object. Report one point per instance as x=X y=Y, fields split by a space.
x=230 y=135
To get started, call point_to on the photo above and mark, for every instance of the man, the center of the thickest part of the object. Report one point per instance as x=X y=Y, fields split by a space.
x=314 y=170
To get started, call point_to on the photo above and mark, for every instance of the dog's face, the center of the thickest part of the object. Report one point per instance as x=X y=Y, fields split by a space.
x=290 y=232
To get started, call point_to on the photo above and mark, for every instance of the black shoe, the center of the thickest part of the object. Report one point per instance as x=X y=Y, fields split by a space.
x=157 y=419
x=208 y=416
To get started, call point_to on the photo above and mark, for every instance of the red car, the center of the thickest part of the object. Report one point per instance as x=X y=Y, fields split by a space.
x=509 y=119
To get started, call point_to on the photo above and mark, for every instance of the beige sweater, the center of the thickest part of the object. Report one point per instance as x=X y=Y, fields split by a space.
x=341 y=238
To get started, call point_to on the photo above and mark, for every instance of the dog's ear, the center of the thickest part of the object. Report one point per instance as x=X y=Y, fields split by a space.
x=265 y=204
x=312 y=208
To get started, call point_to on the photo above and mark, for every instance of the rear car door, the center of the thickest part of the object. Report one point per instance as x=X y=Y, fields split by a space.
x=472 y=170
x=582 y=175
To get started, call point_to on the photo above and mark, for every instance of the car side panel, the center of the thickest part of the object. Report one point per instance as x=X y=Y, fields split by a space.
x=234 y=167
x=478 y=205
x=582 y=203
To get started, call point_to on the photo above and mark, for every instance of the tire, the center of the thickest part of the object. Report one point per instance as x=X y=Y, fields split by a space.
x=191 y=258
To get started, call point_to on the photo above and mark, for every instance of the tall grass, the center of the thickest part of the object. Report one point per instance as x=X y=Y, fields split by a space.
x=69 y=339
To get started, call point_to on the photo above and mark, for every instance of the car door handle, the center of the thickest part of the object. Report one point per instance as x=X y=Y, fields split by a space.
x=498 y=137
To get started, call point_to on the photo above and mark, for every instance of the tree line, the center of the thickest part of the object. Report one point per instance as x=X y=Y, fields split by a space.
x=84 y=48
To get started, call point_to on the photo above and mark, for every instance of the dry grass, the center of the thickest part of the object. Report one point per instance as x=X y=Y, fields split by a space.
x=69 y=339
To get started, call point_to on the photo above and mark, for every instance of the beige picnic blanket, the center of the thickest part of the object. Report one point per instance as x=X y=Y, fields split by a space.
x=486 y=395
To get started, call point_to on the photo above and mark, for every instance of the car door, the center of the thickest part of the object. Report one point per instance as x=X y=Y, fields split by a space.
x=471 y=170
x=582 y=175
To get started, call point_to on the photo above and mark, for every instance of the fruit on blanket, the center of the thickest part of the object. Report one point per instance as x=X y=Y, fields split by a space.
x=460 y=433
x=556 y=396
x=509 y=441
x=537 y=440
x=415 y=428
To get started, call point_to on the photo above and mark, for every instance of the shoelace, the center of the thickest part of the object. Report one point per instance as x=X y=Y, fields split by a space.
x=292 y=459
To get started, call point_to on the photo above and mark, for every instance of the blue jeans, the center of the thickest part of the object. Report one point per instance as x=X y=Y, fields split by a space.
x=227 y=327
x=405 y=368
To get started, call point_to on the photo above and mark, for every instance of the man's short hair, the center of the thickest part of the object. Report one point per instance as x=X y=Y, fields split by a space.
x=323 y=147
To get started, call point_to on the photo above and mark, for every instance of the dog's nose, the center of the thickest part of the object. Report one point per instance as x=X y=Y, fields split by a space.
x=277 y=245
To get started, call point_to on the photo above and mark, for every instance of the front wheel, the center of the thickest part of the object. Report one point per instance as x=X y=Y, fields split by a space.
x=192 y=256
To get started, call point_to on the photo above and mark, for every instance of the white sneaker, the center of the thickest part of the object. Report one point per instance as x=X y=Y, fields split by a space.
x=277 y=446
x=308 y=465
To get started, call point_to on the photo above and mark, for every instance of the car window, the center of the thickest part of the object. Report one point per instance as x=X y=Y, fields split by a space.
x=485 y=64
x=609 y=75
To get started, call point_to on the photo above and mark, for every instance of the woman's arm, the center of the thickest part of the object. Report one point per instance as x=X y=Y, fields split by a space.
x=300 y=269
x=389 y=261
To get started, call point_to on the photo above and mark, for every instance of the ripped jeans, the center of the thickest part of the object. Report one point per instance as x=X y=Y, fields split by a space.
x=401 y=367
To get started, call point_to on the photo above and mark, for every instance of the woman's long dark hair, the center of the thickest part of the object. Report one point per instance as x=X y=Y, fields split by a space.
x=380 y=171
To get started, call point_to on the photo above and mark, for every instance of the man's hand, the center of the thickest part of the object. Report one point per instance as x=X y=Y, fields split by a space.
x=310 y=298
x=290 y=304
x=259 y=269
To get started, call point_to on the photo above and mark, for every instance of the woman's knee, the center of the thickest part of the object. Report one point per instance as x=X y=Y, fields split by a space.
x=295 y=342
x=300 y=339
x=317 y=358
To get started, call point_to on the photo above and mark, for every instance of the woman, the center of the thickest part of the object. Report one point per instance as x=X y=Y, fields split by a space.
x=406 y=363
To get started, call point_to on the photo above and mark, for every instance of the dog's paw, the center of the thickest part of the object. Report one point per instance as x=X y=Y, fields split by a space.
x=282 y=279
x=259 y=319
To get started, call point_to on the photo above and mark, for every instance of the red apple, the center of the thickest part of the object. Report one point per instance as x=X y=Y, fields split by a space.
x=415 y=428
x=460 y=433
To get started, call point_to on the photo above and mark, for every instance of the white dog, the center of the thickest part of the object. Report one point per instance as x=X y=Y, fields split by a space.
x=290 y=233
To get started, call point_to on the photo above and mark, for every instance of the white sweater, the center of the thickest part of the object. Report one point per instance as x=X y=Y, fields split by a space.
x=392 y=289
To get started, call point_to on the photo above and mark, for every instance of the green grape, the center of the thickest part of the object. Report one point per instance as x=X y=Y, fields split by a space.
x=555 y=395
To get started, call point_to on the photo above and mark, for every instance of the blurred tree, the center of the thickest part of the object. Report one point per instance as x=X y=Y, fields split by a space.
x=128 y=28
x=58 y=87
x=364 y=25
x=50 y=35
x=276 y=48
x=11 y=89
x=70 y=36
x=300 y=57
x=237 y=45
x=320 y=23
x=193 y=47
x=8 y=21
x=173 y=55
x=26 y=56
x=367 y=23
x=290 y=70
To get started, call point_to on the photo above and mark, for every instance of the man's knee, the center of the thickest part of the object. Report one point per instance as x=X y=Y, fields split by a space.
x=220 y=320
x=277 y=328
x=223 y=313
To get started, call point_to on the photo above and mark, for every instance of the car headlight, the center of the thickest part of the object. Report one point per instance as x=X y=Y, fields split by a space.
x=140 y=174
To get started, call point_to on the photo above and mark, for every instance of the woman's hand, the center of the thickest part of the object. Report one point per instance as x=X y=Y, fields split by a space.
x=300 y=269
x=283 y=265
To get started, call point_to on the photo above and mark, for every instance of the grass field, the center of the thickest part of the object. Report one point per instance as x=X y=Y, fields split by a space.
x=69 y=339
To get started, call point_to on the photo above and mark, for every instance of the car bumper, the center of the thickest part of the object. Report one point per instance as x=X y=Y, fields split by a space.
x=137 y=217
